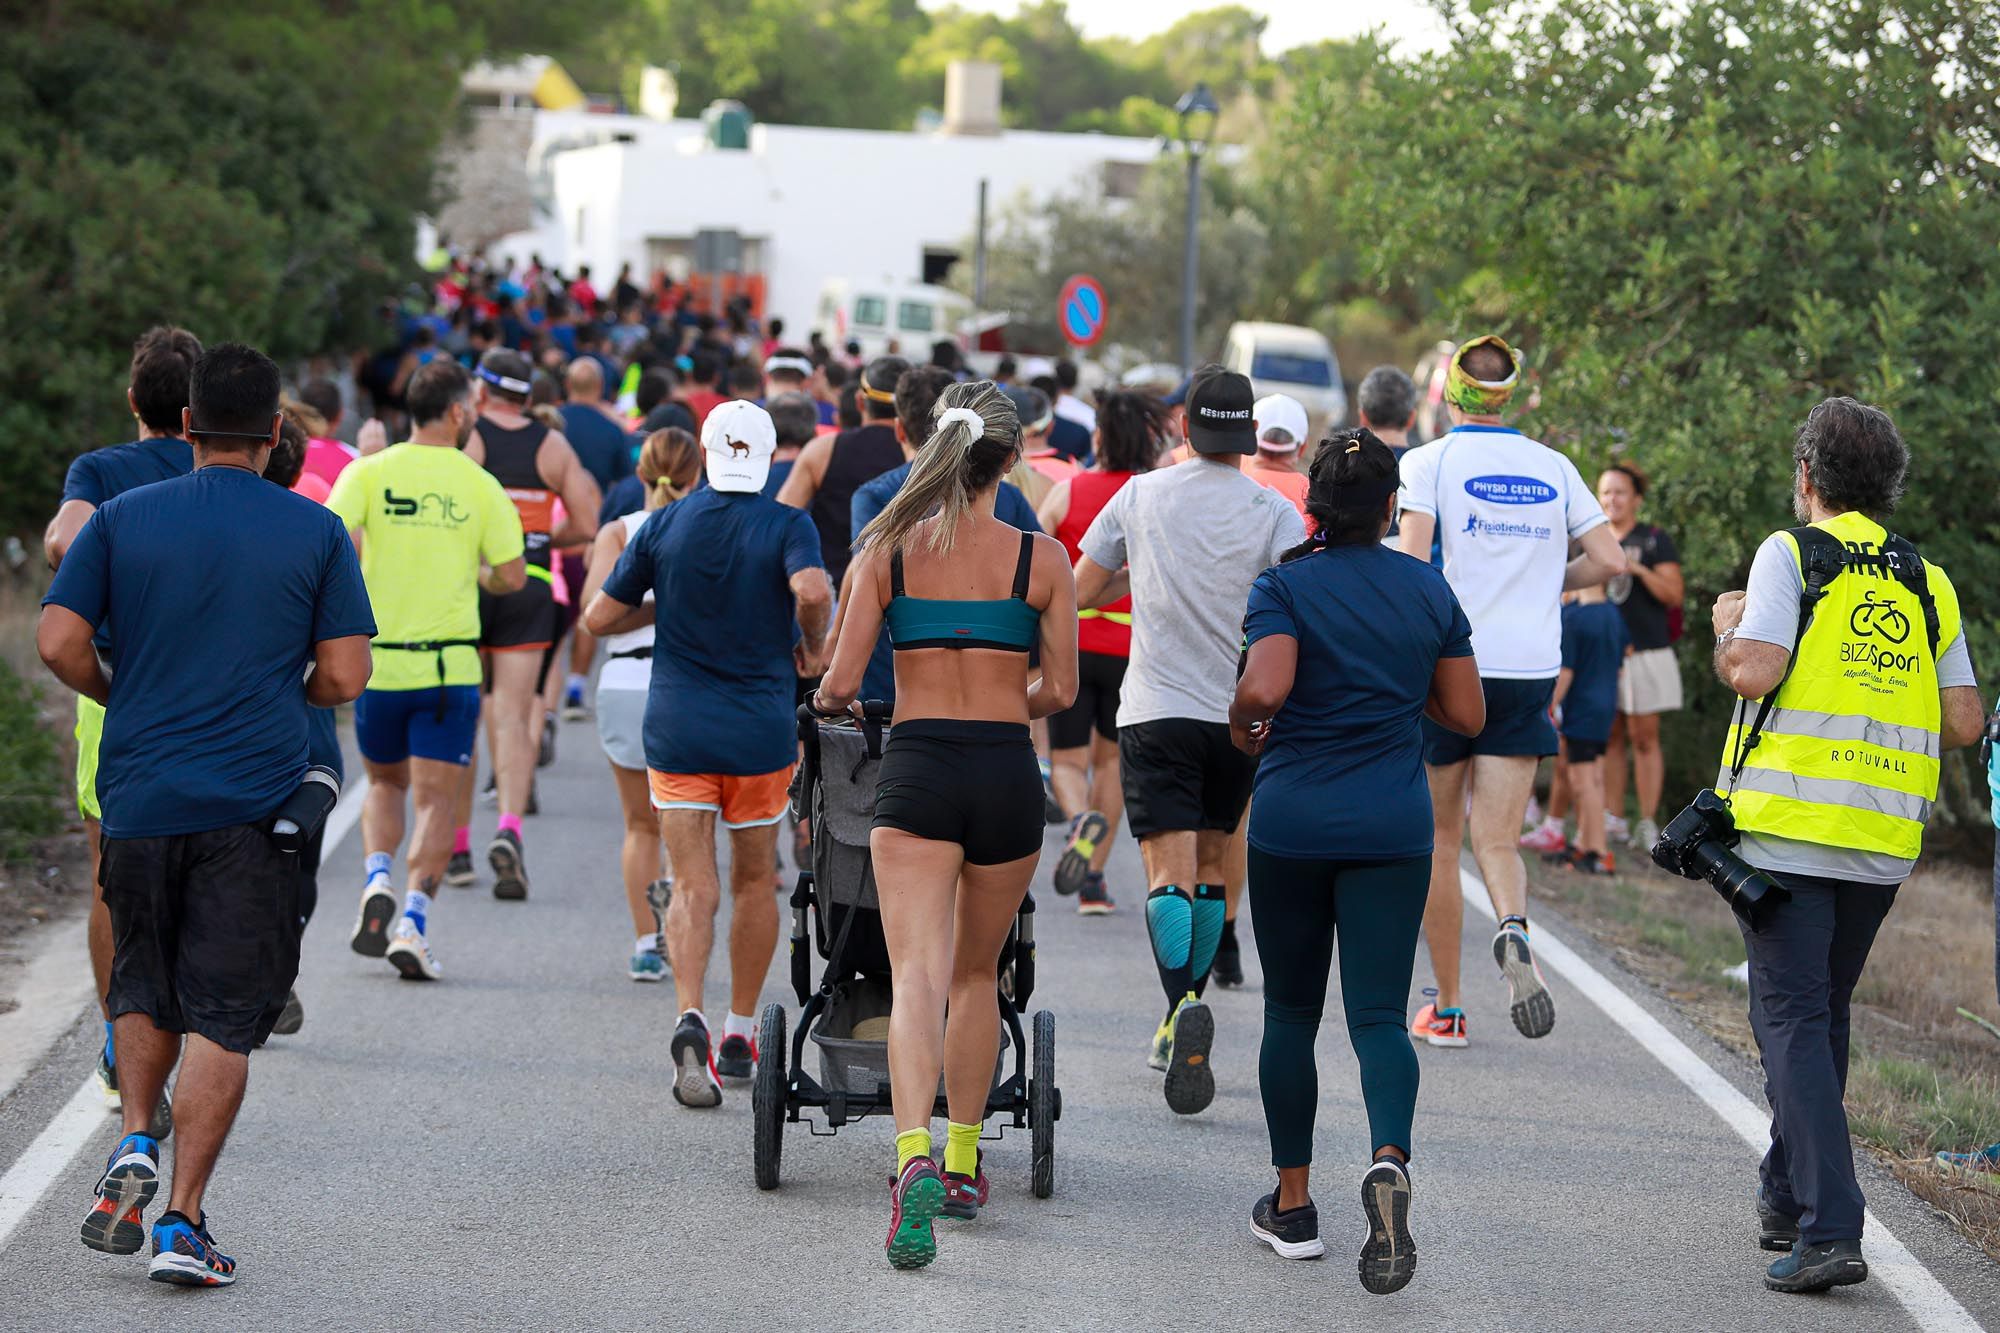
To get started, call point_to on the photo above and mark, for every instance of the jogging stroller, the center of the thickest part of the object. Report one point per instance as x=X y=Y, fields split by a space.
x=846 y=1017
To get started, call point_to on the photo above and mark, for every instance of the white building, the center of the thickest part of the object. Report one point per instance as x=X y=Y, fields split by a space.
x=805 y=204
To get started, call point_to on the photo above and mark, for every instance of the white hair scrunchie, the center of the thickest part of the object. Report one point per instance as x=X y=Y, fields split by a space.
x=972 y=421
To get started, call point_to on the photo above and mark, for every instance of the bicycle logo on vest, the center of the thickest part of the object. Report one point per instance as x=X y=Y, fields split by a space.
x=1872 y=619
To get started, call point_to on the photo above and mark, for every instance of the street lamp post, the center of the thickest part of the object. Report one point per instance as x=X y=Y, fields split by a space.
x=1197 y=112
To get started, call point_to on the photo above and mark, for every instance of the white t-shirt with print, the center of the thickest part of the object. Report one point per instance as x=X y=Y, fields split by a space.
x=1507 y=508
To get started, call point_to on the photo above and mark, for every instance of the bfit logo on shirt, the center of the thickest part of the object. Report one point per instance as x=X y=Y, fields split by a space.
x=431 y=508
x=1475 y=526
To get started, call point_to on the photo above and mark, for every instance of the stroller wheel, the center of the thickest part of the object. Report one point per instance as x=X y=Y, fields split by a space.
x=1044 y=1106
x=767 y=1095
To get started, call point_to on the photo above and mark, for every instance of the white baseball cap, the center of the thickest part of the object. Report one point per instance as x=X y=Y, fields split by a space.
x=1280 y=411
x=739 y=439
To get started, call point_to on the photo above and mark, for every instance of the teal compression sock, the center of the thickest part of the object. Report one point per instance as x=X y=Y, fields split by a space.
x=1170 y=926
x=1207 y=910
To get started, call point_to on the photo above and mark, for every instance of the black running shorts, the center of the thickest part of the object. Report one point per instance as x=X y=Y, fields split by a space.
x=205 y=930
x=1181 y=775
x=973 y=783
x=1099 y=677
x=518 y=620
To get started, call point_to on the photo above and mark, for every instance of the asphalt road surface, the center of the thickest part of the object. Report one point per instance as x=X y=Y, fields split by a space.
x=499 y=1150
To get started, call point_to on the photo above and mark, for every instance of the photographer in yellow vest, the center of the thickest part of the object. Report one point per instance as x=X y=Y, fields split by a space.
x=1847 y=653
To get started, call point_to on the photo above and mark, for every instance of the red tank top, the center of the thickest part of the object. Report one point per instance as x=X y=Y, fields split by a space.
x=1108 y=629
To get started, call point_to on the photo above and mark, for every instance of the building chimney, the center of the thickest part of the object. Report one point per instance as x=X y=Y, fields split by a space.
x=972 y=97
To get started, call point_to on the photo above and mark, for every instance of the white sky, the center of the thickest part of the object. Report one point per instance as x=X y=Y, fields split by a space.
x=1293 y=22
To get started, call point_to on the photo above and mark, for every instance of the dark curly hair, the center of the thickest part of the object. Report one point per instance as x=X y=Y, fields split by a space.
x=1853 y=456
x=1347 y=458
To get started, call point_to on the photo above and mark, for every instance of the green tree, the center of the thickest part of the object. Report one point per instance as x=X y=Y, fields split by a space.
x=1134 y=250
x=1701 y=219
x=251 y=173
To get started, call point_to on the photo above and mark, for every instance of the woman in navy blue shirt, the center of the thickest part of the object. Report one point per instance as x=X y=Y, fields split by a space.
x=1350 y=643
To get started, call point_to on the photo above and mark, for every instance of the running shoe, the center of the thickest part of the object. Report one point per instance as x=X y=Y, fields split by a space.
x=1293 y=1233
x=410 y=953
x=736 y=1058
x=1074 y=867
x=378 y=911
x=510 y=866
x=1532 y=816
x=1984 y=1161
x=185 y=1254
x=292 y=1017
x=1600 y=864
x=1644 y=834
x=116 y=1224
x=916 y=1197
x=965 y=1195
x=547 y=754
x=1776 y=1230
x=490 y=793
x=648 y=965
x=1052 y=811
x=1546 y=837
x=1227 y=969
x=1532 y=1007
x=1439 y=1027
x=572 y=707
x=161 y=1125
x=1162 y=1053
x=458 y=871
x=1093 y=899
x=1190 y=1081
x=696 y=1084
x=534 y=805
x=1837 y=1263
x=1388 y=1256
x=1616 y=829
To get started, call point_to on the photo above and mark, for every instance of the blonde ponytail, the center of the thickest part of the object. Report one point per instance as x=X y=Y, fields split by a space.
x=951 y=468
x=669 y=465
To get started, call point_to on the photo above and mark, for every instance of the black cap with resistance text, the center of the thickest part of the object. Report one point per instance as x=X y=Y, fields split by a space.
x=1220 y=419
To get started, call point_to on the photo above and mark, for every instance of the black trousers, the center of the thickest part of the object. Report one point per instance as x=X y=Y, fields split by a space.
x=1804 y=962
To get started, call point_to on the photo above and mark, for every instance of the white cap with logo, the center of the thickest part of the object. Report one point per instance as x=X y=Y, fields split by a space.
x=739 y=440
x=1283 y=412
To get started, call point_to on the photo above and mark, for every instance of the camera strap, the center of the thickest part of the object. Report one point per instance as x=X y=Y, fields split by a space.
x=1823 y=558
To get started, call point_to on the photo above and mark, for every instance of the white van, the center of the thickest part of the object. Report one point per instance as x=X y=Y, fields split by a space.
x=1290 y=359
x=913 y=315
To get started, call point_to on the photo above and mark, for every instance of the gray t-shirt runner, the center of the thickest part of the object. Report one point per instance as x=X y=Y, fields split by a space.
x=1196 y=536
x=1771 y=615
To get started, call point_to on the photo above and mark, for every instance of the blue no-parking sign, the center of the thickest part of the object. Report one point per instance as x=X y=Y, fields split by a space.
x=1081 y=310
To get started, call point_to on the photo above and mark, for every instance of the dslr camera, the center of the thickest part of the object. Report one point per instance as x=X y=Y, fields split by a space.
x=1700 y=844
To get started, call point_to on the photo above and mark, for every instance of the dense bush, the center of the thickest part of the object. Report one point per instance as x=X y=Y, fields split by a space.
x=32 y=787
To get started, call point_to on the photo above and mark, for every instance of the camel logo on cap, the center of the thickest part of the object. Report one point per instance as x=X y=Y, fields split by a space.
x=738 y=449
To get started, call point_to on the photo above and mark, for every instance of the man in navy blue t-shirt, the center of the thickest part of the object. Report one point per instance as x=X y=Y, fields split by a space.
x=223 y=591
x=741 y=605
x=157 y=393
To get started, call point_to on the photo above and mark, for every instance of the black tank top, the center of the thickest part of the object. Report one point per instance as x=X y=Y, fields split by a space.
x=510 y=457
x=859 y=456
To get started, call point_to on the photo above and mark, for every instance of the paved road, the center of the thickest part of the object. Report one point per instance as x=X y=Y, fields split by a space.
x=499 y=1151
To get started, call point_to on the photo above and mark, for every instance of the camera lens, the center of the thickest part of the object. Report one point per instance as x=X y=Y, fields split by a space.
x=1748 y=890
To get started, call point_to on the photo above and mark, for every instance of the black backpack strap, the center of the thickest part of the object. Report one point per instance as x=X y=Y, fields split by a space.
x=1907 y=565
x=1024 y=566
x=1822 y=559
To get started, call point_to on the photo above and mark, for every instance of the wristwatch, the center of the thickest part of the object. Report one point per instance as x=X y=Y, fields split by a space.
x=1722 y=639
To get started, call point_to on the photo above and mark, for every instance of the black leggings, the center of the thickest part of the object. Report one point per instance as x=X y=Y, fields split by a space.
x=1373 y=910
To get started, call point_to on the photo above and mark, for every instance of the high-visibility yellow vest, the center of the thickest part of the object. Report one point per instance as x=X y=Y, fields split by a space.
x=1849 y=754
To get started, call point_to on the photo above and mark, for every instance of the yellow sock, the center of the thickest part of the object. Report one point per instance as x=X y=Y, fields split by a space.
x=910 y=1144
x=961 y=1148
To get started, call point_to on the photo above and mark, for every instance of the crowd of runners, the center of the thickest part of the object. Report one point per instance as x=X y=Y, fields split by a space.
x=1295 y=661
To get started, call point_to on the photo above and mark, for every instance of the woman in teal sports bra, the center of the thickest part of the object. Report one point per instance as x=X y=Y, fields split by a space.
x=958 y=807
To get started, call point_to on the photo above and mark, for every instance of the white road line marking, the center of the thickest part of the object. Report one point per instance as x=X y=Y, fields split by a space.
x=52 y=990
x=49 y=1156
x=1913 y=1286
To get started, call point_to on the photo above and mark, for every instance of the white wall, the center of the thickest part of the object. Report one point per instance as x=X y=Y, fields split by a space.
x=829 y=203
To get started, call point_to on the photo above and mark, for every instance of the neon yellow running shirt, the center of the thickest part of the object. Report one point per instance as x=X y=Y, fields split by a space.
x=428 y=516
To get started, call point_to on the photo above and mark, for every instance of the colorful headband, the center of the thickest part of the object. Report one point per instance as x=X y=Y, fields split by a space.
x=794 y=363
x=1476 y=397
x=873 y=394
x=507 y=382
